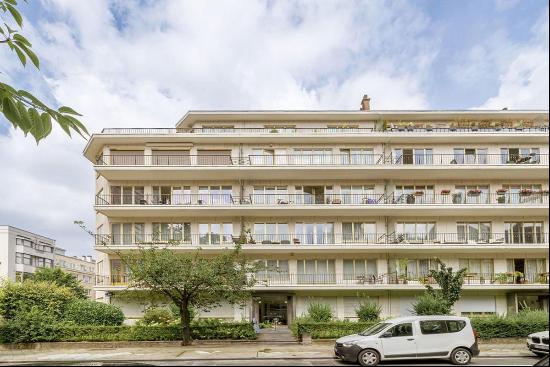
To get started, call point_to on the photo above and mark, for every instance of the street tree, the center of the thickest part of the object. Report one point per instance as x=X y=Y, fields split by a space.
x=21 y=108
x=450 y=283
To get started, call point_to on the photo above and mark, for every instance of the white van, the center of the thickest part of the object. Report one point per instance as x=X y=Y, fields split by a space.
x=414 y=337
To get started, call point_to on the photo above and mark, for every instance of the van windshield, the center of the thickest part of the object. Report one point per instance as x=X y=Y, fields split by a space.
x=375 y=329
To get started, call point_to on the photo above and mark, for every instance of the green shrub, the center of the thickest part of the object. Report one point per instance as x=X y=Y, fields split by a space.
x=513 y=326
x=33 y=325
x=20 y=297
x=62 y=279
x=86 y=312
x=209 y=329
x=431 y=304
x=368 y=310
x=157 y=316
x=328 y=330
x=319 y=312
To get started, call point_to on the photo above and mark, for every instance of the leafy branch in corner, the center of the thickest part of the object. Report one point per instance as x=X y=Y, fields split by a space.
x=21 y=108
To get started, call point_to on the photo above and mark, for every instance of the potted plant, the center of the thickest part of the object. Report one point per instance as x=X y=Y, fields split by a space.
x=526 y=192
x=445 y=192
x=501 y=278
x=274 y=130
x=543 y=192
x=403 y=270
x=429 y=127
x=410 y=126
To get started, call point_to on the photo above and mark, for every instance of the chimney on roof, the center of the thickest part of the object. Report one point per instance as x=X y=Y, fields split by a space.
x=505 y=109
x=365 y=103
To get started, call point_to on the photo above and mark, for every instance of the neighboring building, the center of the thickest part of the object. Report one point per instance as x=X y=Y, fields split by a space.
x=22 y=252
x=342 y=203
x=83 y=268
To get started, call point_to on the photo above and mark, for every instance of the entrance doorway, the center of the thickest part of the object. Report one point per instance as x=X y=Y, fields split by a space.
x=274 y=311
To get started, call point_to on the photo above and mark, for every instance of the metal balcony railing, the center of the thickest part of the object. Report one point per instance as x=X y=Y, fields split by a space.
x=351 y=279
x=394 y=199
x=331 y=159
x=338 y=239
x=316 y=130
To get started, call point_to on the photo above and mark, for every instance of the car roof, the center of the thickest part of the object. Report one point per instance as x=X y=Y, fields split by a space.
x=423 y=318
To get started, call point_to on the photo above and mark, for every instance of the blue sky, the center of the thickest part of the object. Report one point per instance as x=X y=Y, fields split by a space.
x=145 y=63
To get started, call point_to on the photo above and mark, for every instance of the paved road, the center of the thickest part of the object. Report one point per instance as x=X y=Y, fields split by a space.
x=488 y=361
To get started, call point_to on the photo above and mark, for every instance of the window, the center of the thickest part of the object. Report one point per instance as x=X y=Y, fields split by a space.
x=39 y=262
x=23 y=242
x=401 y=330
x=415 y=232
x=523 y=232
x=270 y=195
x=521 y=194
x=470 y=156
x=313 y=156
x=519 y=155
x=263 y=157
x=471 y=194
x=413 y=156
x=454 y=326
x=356 y=232
x=433 y=327
x=267 y=233
x=412 y=268
x=360 y=268
x=480 y=267
x=215 y=233
x=121 y=233
x=48 y=263
x=476 y=232
x=215 y=195
x=170 y=158
x=314 y=233
x=358 y=194
x=168 y=195
x=355 y=156
x=313 y=194
x=273 y=270
x=316 y=271
x=127 y=195
x=172 y=232
x=414 y=194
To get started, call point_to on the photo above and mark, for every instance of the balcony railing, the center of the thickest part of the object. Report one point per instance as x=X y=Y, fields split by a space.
x=316 y=130
x=321 y=160
x=335 y=200
x=338 y=239
x=354 y=279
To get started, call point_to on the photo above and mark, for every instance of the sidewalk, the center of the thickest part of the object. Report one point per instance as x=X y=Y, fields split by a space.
x=211 y=351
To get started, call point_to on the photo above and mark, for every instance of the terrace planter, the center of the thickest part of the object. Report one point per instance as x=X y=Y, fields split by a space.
x=474 y=192
x=501 y=191
x=445 y=192
x=419 y=193
x=525 y=192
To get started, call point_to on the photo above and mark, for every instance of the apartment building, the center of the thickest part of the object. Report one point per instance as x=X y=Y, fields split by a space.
x=22 y=252
x=83 y=268
x=337 y=204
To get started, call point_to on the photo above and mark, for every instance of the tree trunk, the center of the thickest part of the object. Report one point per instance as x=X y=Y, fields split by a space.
x=185 y=322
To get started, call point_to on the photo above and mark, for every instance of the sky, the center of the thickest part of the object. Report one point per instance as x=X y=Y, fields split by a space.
x=146 y=63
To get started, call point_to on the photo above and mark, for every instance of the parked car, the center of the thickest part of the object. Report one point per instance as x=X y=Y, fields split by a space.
x=414 y=337
x=538 y=343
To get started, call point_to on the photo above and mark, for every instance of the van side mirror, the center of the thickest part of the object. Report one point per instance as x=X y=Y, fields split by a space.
x=387 y=334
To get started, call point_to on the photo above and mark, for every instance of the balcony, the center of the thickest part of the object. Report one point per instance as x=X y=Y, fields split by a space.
x=321 y=166
x=330 y=243
x=393 y=280
x=418 y=203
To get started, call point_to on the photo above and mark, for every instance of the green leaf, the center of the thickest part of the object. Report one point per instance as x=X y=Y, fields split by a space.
x=21 y=55
x=25 y=122
x=15 y=14
x=77 y=125
x=20 y=38
x=9 y=109
x=47 y=124
x=31 y=55
x=64 y=123
x=69 y=110
x=36 y=101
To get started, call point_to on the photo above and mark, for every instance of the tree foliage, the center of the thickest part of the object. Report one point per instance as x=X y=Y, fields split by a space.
x=21 y=108
x=431 y=304
x=62 y=279
x=88 y=312
x=191 y=280
x=450 y=283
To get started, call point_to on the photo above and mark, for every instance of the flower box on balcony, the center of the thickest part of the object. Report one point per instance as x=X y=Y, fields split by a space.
x=445 y=192
x=526 y=192
x=501 y=191
x=543 y=192
x=419 y=193
x=475 y=192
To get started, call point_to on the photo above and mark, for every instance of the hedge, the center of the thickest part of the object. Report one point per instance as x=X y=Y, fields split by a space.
x=97 y=333
x=329 y=330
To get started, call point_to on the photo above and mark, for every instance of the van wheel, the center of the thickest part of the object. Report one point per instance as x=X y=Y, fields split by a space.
x=461 y=356
x=368 y=357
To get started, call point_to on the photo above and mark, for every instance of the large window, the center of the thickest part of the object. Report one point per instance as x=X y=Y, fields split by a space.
x=313 y=156
x=270 y=195
x=21 y=258
x=357 y=156
x=413 y=268
x=523 y=232
x=519 y=155
x=127 y=195
x=168 y=195
x=415 y=231
x=172 y=232
x=316 y=271
x=215 y=233
x=518 y=194
x=24 y=242
x=413 y=156
x=471 y=194
x=470 y=156
x=365 y=269
x=414 y=194
x=479 y=267
x=473 y=232
x=313 y=194
x=358 y=194
x=357 y=232
x=215 y=195
x=273 y=271
x=267 y=233
x=314 y=233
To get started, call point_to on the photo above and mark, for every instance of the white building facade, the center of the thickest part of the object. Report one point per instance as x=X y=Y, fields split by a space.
x=82 y=267
x=339 y=204
x=22 y=252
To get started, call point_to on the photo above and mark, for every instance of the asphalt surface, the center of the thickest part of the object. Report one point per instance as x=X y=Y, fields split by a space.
x=486 y=361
